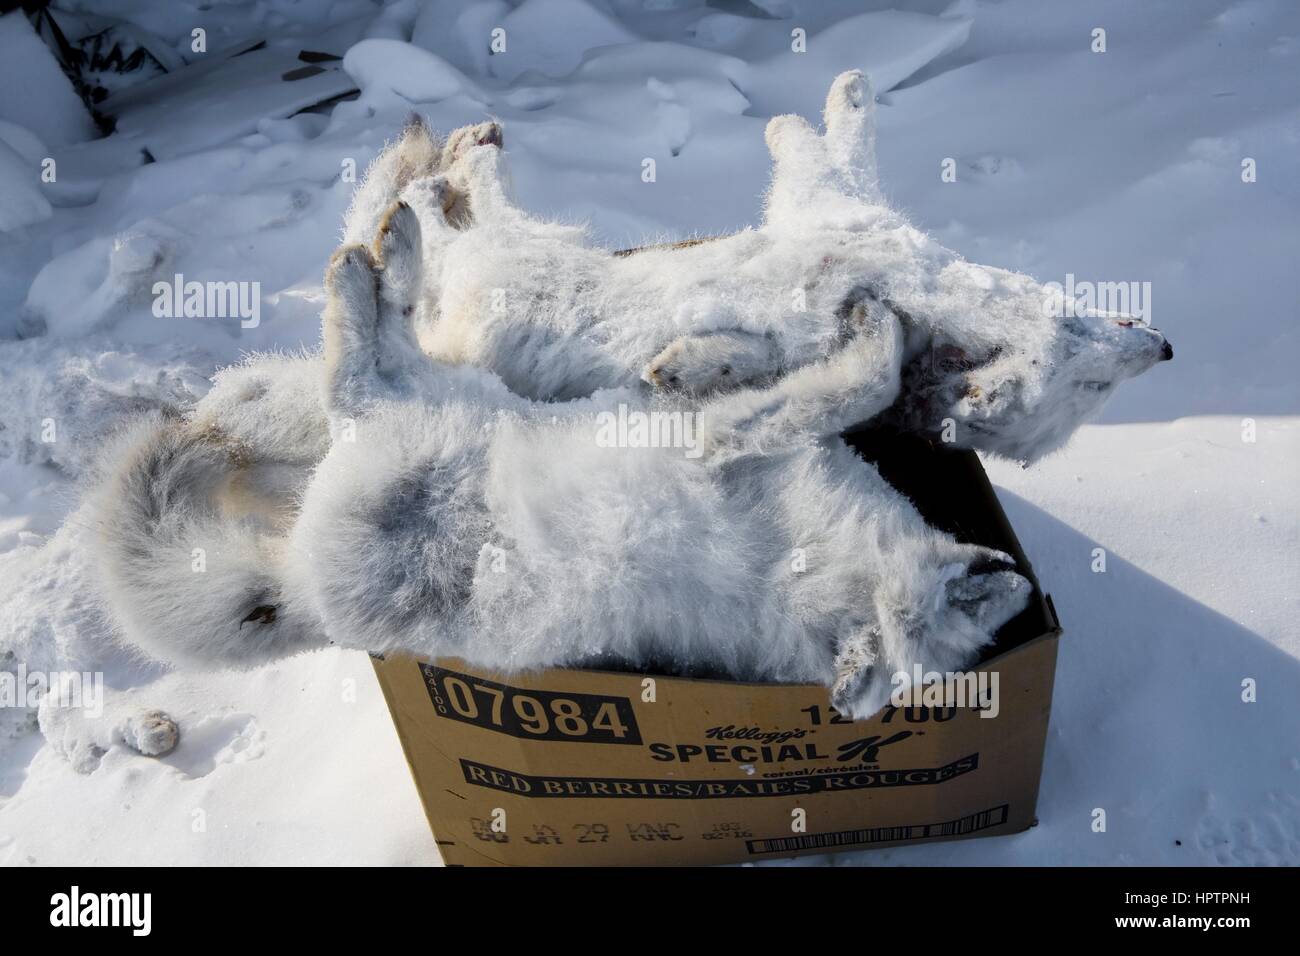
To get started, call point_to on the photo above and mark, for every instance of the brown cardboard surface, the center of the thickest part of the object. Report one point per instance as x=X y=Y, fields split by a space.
x=578 y=767
x=718 y=769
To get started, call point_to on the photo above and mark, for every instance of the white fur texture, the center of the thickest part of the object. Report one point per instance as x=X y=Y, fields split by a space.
x=462 y=509
x=557 y=318
x=452 y=516
x=191 y=551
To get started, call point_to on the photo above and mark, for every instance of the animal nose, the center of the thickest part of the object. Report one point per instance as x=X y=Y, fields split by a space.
x=1166 y=351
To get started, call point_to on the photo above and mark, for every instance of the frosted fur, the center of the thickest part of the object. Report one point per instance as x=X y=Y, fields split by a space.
x=712 y=362
x=416 y=154
x=459 y=518
x=557 y=318
x=190 y=513
x=834 y=312
x=187 y=564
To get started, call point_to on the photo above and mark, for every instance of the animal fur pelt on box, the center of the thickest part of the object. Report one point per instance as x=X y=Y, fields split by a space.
x=556 y=318
x=435 y=483
x=985 y=352
x=453 y=516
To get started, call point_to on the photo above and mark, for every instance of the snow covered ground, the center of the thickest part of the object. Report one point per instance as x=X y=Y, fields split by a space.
x=1117 y=166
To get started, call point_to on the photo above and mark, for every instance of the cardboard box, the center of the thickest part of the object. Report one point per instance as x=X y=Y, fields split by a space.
x=570 y=767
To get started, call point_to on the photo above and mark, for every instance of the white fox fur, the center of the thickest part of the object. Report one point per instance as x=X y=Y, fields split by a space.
x=442 y=471
x=557 y=318
x=452 y=516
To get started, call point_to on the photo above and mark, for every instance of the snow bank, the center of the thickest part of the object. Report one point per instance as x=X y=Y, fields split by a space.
x=215 y=100
x=396 y=74
x=457 y=31
x=551 y=37
x=62 y=400
x=21 y=201
x=890 y=46
x=37 y=94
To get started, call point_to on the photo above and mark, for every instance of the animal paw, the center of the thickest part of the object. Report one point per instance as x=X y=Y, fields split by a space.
x=461 y=141
x=699 y=364
x=990 y=593
x=371 y=352
x=350 y=280
x=939 y=627
x=854 y=666
x=398 y=255
x=474 y=185
x=849 y=118
x=151 y=733
x=433 y=199
x=866 y=313
x=971 y=599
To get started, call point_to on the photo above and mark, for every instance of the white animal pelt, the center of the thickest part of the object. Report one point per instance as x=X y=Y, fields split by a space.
x=192 y=513
x=452 y=516
x=834 y=312
x=556 y=318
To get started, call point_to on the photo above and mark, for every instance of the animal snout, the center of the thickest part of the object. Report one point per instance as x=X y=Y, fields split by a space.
x=1166 y=350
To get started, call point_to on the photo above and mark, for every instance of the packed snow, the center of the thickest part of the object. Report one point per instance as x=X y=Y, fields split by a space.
x=1119 y=166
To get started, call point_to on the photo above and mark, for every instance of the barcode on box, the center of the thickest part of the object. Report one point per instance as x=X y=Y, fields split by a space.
x=840 y=838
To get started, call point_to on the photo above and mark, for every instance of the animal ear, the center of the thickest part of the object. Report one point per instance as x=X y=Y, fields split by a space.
x=850 y=118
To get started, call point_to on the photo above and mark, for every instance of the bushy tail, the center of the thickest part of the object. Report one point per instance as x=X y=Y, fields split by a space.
x=182 y=578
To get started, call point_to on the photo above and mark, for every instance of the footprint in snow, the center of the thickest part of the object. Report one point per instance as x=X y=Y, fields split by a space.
x=1268 y=838
x=213 y=740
